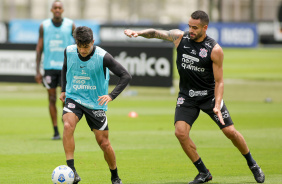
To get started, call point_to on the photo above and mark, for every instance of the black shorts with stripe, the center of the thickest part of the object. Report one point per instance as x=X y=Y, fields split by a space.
x=96 y=119
x=52 y=78
x=188 y=111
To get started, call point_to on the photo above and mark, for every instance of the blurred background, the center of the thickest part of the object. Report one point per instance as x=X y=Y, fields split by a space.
x=233 y=24
x=147 y=11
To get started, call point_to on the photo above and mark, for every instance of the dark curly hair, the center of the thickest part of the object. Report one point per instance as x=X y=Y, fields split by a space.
x=83 y=35
x=199 y=14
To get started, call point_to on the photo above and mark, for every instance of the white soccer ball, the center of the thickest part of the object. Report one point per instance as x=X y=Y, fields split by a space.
x=62 y=175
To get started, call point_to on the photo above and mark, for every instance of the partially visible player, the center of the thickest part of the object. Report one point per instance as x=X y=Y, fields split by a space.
x=200 y=67
x=85 y=79
x=54 y=36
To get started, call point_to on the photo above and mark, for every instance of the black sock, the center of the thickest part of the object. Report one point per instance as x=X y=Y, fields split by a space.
x=70 y=163
x=56 y=130
x=249 y=159
x=114 y=173
x=201 y=166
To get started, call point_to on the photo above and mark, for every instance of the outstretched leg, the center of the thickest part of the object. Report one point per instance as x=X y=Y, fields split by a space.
x=239 y=142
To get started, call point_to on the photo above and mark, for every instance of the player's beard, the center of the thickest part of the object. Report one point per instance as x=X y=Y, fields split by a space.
x=196 y=36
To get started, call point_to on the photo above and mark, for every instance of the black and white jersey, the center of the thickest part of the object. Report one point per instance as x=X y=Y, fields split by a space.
x=194 y=66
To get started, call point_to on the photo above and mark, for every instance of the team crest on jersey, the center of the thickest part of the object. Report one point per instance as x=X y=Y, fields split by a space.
x=71 y=105
x=180 y=100
x=203 y=53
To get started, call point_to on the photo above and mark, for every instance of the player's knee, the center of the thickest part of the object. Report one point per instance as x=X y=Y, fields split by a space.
x=180 y=134
x=230 y=133
x=68 y=127
x=104 y=144
x=52 y=99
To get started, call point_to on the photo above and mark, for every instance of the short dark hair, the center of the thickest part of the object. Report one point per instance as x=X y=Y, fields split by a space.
x=57 y=1
x=83 y=35
x=199 y=14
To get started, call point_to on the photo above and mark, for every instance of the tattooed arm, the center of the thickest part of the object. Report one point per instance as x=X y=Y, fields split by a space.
x=174 y=35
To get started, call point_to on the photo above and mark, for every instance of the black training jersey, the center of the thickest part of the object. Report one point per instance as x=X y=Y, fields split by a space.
x=194 y=66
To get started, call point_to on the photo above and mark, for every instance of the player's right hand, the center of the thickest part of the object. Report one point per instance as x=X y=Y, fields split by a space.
x=38 y=78
x=63 y=97
x=130 y=33
x=219 y=115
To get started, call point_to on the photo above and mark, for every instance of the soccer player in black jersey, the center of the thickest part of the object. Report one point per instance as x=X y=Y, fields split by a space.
x=199 y=63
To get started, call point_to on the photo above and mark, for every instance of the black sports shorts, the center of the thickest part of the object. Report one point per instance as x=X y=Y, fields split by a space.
x=52 y=78
x=188 y=111
x=96 y=119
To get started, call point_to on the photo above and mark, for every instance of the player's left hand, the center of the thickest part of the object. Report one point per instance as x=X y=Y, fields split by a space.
x=219 y=115
x=104 y=100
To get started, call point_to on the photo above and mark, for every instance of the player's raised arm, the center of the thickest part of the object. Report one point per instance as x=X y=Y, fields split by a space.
x=174 y=35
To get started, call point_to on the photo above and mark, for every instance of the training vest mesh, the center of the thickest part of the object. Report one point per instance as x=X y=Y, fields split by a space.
x=56 y=39
x=86 y=80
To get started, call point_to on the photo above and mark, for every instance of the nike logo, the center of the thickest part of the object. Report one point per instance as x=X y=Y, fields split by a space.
x=82 y=66
x=186 y=47
x=103 y=120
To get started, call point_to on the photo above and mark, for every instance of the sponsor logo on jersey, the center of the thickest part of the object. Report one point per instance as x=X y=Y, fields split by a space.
x=81 y=77
x=188 y=63
x=193 y=52
x=180 y=100
x=190 y=58
x=203 y=53
x=56 y=63
x=193 y=68
x=84 y=87
x=193 y=93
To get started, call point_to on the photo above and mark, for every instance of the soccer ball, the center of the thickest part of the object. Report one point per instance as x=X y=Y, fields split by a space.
x=62 y=175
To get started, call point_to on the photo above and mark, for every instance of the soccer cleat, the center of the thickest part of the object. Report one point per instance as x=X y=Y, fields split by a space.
x=56 y=137
x=202 y=178
x=116 y=181
x=257 y=172
x=76 y=178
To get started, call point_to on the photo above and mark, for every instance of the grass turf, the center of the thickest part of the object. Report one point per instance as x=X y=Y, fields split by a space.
x=146 y=148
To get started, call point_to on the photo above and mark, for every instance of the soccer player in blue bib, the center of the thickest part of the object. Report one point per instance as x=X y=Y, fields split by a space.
x=199 y=63
x=54 y=36
x=85 y=80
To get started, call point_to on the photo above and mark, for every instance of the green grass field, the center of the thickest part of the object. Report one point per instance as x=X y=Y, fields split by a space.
x=146 y=149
